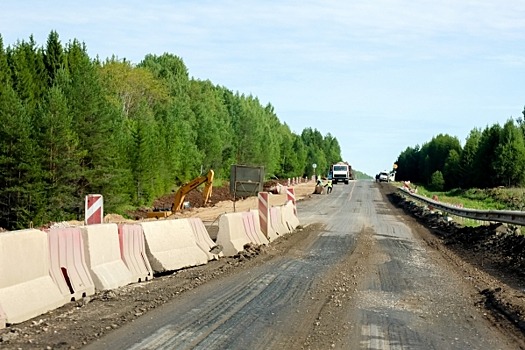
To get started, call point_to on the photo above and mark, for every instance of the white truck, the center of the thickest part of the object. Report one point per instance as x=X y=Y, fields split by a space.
x=341 y=172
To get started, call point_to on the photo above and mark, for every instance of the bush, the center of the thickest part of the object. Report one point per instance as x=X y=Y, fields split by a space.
x=437 y=182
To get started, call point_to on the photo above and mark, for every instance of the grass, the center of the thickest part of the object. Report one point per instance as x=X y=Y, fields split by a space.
x=500 y=198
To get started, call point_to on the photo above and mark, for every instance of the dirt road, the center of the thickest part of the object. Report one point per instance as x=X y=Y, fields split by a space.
x=361 y=274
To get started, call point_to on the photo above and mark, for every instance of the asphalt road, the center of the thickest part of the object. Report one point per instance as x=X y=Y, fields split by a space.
x=364 y=280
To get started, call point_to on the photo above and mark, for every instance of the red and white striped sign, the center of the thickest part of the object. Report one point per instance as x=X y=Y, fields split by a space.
x=94 y=209
x=264 y=212
x=290 y=195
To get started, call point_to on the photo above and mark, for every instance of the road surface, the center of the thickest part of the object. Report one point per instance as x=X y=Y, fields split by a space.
x=359 y=278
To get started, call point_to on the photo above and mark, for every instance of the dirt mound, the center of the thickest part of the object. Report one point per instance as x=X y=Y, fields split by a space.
x=193 y=198
x=503 y=244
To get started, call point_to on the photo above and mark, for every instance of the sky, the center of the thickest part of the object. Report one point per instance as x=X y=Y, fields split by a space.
x=378 y=75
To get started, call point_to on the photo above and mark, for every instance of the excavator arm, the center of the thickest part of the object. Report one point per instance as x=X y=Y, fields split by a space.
x=193 y=184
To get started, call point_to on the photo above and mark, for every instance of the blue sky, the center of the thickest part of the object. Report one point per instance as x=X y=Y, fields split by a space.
x=379 y=75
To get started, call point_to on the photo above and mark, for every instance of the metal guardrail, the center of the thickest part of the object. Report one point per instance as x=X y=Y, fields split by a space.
x=506 y=216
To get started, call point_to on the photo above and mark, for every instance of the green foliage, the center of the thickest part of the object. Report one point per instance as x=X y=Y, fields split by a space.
x=358 y=175
x=509 y=163
x=492 y=157
x=452 y=169
x=485 y=158
x=71 y=126
x=437 y=182
x=59 y=154
x=21 y=189
x=408 y=165
x=482 y=199
x=467 y=162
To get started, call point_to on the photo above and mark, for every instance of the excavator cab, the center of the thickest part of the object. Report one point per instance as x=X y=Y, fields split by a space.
x=183 y=190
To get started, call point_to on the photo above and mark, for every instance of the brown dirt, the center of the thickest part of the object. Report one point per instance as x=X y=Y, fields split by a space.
x=488 y=257
x=195 y=199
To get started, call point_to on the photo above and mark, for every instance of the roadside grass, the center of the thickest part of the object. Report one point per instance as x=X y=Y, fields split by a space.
x=481 y=199
x=500 y=198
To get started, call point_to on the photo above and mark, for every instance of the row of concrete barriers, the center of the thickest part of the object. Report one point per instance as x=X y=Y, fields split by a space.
x=41 y=270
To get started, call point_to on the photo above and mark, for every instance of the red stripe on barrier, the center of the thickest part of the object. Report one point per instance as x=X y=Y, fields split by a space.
x=264 y=212
x=290 y=195
x=94 y=209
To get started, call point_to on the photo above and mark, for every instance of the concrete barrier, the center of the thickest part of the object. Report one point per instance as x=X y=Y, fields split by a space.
x=212 y=250
x=133 y=252
x=254 y=233
x=26 y=287
x=171 y=245
x=232 y=235
x=276 y=221
x=289 y=216
x=102 y=251
x=68 y=263
x=263 y=204
x=3 y=318
x=272 y=235
x=281 y=215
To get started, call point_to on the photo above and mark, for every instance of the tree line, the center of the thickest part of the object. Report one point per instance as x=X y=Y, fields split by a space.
x=491 y=157
x=71 y=125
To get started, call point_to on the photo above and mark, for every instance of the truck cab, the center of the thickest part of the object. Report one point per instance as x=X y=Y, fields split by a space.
x=341 y=172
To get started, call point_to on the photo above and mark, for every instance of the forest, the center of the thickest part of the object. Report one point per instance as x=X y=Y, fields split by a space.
x=490 y=157
x=71 y=125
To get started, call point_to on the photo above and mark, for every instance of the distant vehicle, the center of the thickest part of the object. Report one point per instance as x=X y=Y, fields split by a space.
x=392 y=176
x=384 y=176
x=341 y=172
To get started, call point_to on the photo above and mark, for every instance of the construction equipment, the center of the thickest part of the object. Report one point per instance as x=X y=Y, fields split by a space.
x=341 y=172
x=178 y=202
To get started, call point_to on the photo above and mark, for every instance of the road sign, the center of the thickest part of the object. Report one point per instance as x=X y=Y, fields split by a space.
x=94 y=210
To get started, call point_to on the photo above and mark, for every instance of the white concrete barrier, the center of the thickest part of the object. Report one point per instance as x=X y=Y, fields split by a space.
x=281 y=215
x=289 y=217
x=171 y=245
x=133 y=252
x=254 y=232
x=232 y=235
x=3 y=318
x=102 y=251
x=204 y=240
x=68 y=263
x=271 y=233
x=277 y=222
x=26 y=287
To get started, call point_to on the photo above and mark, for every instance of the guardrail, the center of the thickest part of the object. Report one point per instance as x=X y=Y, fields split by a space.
x=506 y=216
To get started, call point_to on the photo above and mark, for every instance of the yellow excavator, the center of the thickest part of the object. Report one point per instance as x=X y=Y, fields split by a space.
x=178 y=202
